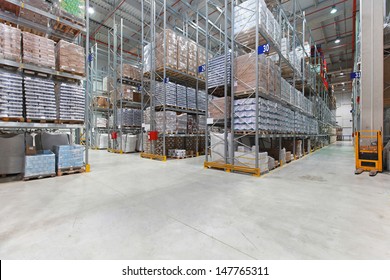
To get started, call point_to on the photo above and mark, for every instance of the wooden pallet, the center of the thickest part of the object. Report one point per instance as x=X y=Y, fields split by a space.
x=69 y=122
x=71 y=170
x=6 y=6
x=6 y=119
x=39 y=177
x=64 y=28
x=73 y=73
x=40 y=121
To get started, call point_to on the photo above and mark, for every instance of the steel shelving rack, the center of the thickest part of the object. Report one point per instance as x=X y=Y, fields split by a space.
x=76 y=130
x=116 y=60
x=151 y=25
x=295 y=31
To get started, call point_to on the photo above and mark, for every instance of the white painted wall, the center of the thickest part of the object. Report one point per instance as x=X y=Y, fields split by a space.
x=343 y=112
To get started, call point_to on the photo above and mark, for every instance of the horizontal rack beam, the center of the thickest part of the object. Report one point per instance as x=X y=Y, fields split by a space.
x=26 y=125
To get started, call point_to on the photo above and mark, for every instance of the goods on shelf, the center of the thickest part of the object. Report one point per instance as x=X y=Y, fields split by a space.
x=182 y=53
x=101 y=102
x=272 y=117
x=72 y=9
x=202 y=100
x=182 y=123
x=170 y=122
x=68 y=156
x=40 y=99
x=34 y=17
x=129 y=71
x=129 y=117
x=10 y=43
x=70 y=57
x=11 y=95
x=191 y=98
x=192 y=126
x=101 y=122
x=192 y=58
x=171 y=57
x=216 y=107
x=41 y=164
x=70 y=101
x=181 y=96
x=245 y=66
x=217 y=69
x=38 y=50
x=147 y=115
x=12 y=151
x=202 y=123
x=177 y=153
x=170 y=93
x=129 y=143
x=126 y=93
x=217 y=146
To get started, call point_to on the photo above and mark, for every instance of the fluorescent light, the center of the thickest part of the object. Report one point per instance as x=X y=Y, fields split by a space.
x=341 y=74
x=343 y=89
x=334 y=9
x=343 y=83
x=337 y=41
x=91 y=10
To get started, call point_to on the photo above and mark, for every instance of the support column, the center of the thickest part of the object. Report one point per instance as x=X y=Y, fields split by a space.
x=371 y=18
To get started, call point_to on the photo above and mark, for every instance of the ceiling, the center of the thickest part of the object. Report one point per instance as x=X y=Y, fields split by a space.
x=325 y=27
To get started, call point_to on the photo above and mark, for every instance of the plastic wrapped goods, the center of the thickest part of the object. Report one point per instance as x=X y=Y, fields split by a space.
x=70 y=57
x=34 y=17
x=70 y=101
x=11 y=95
x=182 y=53
x=38 y=50
x=10 y=43
x=40 y=98
x=68 y=156
x=74 y=9
x=217 y=108
x=171 y=49
x=43 y=163
x=170 y=122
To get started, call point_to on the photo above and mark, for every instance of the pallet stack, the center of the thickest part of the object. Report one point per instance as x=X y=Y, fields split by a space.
x=38 y=50
x=70 y=58
x=40 y=99
x=11 y=95
x=10 y=43
x=70 y=102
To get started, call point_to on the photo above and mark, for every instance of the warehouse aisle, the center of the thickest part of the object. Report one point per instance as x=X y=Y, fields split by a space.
x=133 y=208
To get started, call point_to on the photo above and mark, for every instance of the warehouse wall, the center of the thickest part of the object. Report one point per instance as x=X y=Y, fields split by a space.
x=343 y=113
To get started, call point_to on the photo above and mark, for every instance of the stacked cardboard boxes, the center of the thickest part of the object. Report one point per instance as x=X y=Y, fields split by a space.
x=130 y=72
x=170 y=122
x=72 y=9
x=171 y=57
x=182 y=53
x=191 y=98
x=34 y=17
x=70 y=57
x=38 y=50
x=217 y=70
x=170 y=94
x=181 y=97
x=129 y=117
x=10 y=43
x=216 y=108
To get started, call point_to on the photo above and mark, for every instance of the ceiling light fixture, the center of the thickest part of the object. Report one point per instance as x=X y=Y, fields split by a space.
x=337 y=40
x=341 y=74
x=91 y=10
x=334 y=9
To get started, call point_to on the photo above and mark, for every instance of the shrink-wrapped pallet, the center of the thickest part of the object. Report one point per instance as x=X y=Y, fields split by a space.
x=171 y=57
x=69 y=156
x=182 y=123
x=71 y=9
x=70 y=101
x=170 y=94
x=38 y=50
x=41 y=164
x=202 y=100
x=126 y=93
x=182 y=53
x=216 y=108
x=129 y=71
x=192 y=58
x=40 y=99
x=170 y=121
x=217 y=70
x=191 y=98
x=129 y=117
x=10 y=43
x=11 y=95
x=181 y=96
x=70 y=57
x=245 y=66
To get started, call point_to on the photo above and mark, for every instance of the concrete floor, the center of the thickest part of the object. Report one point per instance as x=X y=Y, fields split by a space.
x=133 y=208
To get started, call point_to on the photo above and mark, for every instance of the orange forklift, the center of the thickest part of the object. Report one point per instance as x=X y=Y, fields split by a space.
x=368 y=151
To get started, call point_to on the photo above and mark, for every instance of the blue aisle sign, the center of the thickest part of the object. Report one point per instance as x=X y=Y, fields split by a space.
x=356 y=75
x=139 y=88
x=263 y=49
x=166 y=80
x=90 y=57
x=202 y=68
